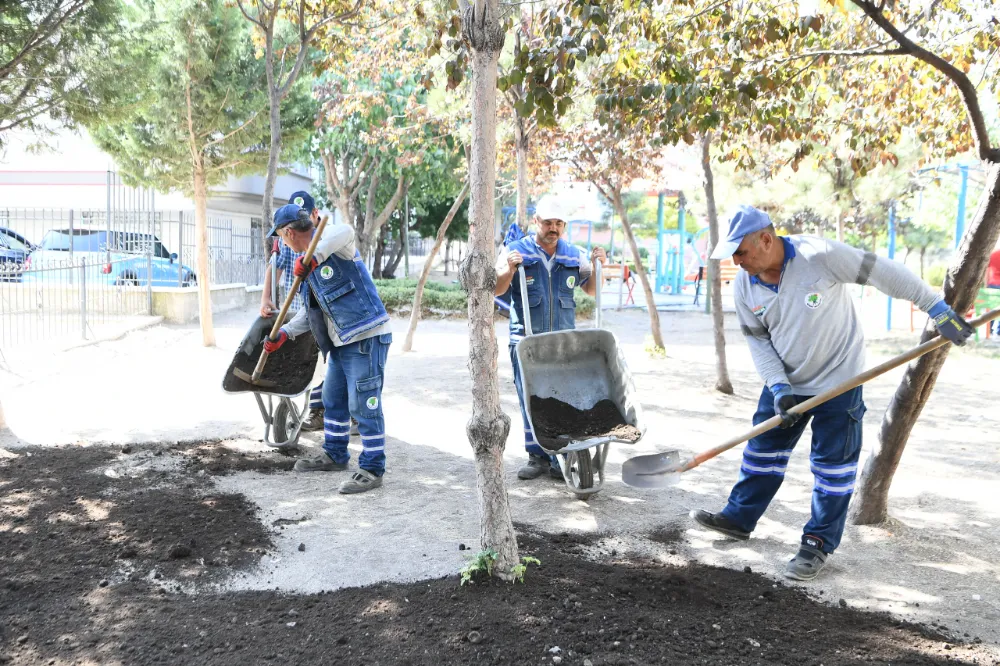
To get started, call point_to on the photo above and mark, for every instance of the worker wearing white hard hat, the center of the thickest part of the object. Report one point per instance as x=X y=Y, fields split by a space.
x=553 y=268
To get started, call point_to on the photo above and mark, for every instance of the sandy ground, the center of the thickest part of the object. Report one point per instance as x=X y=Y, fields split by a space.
x=939 y=560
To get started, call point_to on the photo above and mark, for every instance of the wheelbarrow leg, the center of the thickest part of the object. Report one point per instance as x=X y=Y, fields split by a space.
x=578 y=470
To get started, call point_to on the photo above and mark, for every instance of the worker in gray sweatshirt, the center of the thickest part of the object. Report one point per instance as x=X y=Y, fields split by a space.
x=805 y=337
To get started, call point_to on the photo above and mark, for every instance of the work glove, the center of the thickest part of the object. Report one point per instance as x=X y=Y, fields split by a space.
x=783 y=401
x=301 y=269
x=949 y=324
x=271 y=346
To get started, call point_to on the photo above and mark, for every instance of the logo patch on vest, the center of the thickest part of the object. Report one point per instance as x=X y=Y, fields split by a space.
x=299 y=201
x=814 y=300
x=529 y=280
x=372 y=402
x=571 y=281
x=326 y=272
x=760 y=310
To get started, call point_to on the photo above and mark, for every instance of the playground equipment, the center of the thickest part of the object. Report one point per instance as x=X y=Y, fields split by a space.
x=576 y=224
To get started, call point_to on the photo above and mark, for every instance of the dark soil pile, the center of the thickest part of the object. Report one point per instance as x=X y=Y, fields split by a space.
x=72 y=534
x=556 y=423
x=291 y=368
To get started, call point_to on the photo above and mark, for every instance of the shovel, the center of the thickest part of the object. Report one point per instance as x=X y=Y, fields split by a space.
x=660 y=470
x=280 y=319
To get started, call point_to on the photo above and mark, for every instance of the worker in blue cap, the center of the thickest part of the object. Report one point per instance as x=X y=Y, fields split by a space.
x=805 y=337
x=342 y=309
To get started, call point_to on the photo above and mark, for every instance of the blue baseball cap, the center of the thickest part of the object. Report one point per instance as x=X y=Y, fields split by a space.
x=303 y=199
x=284 y=215
x=745 y=220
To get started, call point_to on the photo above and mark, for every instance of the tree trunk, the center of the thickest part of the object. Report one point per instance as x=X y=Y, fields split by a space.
x=489 y=426
x=273 y=155
x=418 y=296
x=201 y=247
x=840 y=227
x=447 y=255
x=922 y=251
x=389 y=272
x=722 y=382
x=871 y=506
x=379 y=253
x=521 y=148
x=373 y=223
x=654 y=316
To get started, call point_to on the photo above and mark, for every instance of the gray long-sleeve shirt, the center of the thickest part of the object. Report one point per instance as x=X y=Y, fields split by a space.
x=807 y=334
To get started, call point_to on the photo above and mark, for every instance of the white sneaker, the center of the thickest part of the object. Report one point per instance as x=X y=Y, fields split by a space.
x=359 y=482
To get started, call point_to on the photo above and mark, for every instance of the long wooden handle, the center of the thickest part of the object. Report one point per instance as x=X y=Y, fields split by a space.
x=842 y=388
x=289 y=297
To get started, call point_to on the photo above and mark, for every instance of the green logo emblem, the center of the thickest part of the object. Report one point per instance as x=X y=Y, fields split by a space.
x=571 y=281
x=299 y=201
x=372 y=402
x=814 y=300
x=326 y=272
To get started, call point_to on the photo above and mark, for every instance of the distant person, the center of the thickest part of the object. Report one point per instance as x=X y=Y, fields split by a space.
x=552 y=269
x=805 y=338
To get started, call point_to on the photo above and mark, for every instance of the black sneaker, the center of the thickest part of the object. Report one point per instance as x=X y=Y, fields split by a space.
x=718 y=523
x=537 y=465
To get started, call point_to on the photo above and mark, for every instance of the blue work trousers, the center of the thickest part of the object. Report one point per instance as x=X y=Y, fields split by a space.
x=836 y=446
x=353 y=387
x=530 y=445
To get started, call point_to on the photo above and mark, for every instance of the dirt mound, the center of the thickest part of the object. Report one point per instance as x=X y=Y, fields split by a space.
x=556 y=422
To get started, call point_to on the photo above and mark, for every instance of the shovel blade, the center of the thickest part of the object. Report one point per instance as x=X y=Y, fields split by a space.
x=657 y=470
x=263 y=383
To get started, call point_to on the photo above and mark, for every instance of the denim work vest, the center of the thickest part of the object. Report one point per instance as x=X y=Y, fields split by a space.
x=550 y=294
x=342 y=290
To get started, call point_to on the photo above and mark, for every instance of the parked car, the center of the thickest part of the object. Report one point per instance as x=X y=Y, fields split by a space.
x=14 y=251
x=114 y=257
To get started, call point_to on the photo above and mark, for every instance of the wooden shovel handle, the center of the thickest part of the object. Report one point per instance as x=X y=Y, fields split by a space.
x=289 y=297
x=842 y=388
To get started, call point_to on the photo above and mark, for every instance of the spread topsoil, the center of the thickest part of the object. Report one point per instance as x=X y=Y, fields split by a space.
x=290 y=369
x=88 y=546
x=556 y=422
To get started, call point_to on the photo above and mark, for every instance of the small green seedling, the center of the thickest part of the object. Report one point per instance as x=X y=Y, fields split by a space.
x=519 y=569
x=480 y=565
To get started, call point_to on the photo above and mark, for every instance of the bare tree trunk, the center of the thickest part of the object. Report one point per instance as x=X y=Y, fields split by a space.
x=923 y=250
x=521 y=148
x=447 y=255
x=201 y=247
x=393 y=262
x=871 y=506
x=379 y=254
x=840 y=226
x=275 y=152
x=373 y=223
x=722 y=382
x=418 y=296
x=654 y=315
x=489 y=426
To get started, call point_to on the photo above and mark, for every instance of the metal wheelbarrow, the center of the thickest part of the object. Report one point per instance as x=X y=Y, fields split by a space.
x=580 y=368
x=283 y=419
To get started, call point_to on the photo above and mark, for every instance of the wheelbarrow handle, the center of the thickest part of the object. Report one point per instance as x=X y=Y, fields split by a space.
x=525 y=309
x=844 y=387
x=598 y=274
x=289 y=297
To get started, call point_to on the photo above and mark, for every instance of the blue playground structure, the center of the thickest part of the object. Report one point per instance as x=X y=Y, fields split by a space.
x=672 y=246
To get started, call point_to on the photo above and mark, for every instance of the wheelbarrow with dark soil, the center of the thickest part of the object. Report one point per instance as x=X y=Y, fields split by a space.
x=580 y=396
x=287 y=376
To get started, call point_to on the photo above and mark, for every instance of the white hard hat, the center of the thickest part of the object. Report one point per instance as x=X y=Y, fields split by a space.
x=553 y=208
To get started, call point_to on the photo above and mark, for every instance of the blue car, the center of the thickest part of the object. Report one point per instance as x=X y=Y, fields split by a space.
x=14 y=251
x=113 y=257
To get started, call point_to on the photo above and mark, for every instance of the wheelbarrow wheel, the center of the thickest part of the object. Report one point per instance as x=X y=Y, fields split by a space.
x=285 y=422
x=581 y=470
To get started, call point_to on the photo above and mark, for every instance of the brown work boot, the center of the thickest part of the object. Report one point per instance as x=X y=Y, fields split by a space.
x=314 y=423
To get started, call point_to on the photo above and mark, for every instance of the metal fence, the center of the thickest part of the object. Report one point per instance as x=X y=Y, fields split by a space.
x=63 y=272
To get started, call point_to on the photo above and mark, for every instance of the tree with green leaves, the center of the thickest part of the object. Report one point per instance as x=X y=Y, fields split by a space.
x=199 y=117
x=44 y=46
x=286 y=52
